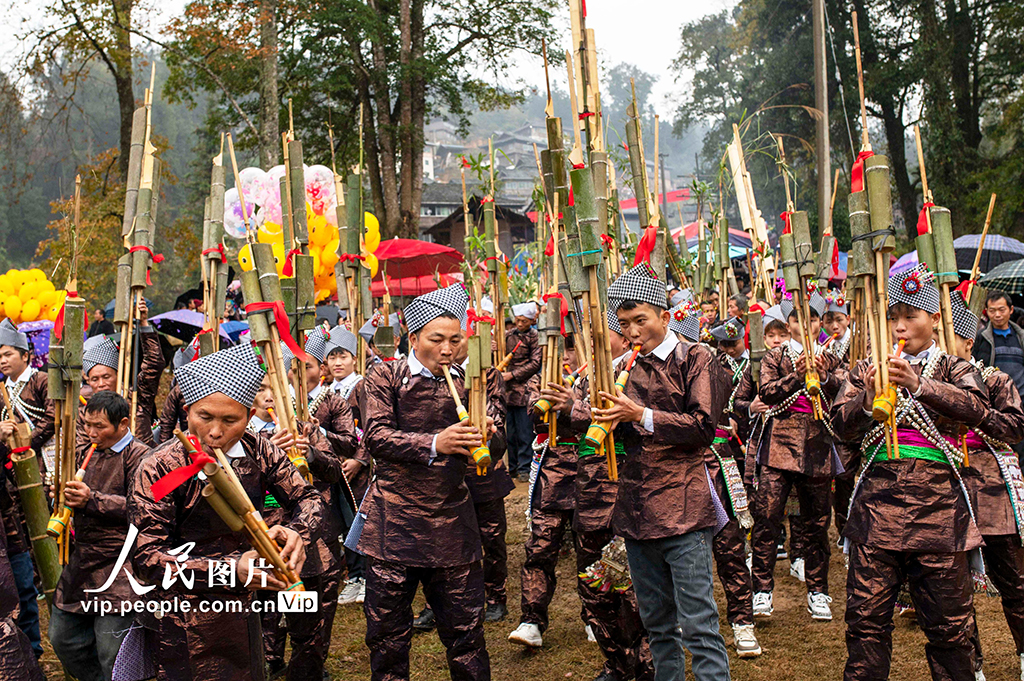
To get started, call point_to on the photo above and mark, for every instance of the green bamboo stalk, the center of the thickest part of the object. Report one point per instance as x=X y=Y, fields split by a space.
x=861 y=261
x=945 y=254
x=876 y=180
x=300 y=230
x=37 y=515
x=804 y=248
x=134 y=170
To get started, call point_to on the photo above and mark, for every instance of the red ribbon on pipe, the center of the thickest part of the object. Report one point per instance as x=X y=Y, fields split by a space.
x=563 y=311
x=178 y=476
x=549 y=250
x=857 y=174
x=350 y=257
x=218 y=249
x=922 y=219
x=607 y=240
x=287 y=270
x=58 y=323
x=486 y=199
x=787 y=228
x=281 y=320
x=645 y=246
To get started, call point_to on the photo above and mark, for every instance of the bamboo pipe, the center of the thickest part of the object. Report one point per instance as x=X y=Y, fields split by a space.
x=60 y=521
x=481 y=454
x=981 y=246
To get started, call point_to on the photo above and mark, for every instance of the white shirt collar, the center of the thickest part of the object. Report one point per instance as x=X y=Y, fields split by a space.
x=25 y=375
x=316 y=391
x=919 y=357
x=236 y=451
x=745 y=355
x=416 y=368
x=615 y=362
x=846 y=336
x=258 y=424
x=665 y=349
x=123 y=442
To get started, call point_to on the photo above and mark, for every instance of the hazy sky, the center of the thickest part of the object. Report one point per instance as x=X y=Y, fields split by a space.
x=641 y=32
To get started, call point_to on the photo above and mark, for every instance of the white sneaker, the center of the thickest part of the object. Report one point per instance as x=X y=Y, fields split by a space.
x=353 y=592
x=979 y=675
x=527 y=634
x=744 y=641
x=590 y=635
x=817 y=605
x=796 y=569
x=763 y=604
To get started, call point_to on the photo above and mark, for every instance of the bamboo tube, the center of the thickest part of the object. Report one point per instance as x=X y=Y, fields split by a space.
x=981 y=248
x=134 y=170
x=297 y=180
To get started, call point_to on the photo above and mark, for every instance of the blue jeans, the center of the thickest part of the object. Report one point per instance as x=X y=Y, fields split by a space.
x=28 y=617
x=674 y=589
x=87 y=645
x=519 y=439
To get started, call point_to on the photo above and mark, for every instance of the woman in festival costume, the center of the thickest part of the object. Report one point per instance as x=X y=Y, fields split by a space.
x=992 y=475
x=347 y=384
x=611 y=614
x=417 y=524
x=666 y=508
x=99 y=367
x=524 y=365
x=795 y=451
x=551 y=511
x=910 y=519
x=85 y=639
x=217 y=642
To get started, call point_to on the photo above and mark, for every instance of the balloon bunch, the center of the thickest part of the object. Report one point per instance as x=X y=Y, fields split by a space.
x=27 y=296
x=263 y=189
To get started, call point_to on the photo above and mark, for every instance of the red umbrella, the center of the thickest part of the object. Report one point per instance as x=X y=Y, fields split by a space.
x=409 y=258
x=413 y=286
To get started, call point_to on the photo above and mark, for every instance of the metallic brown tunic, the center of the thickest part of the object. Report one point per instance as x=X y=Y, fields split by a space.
x=17 y=662
x=1004 y=421
x=525 y=363
x=173 y=414
x=206 y=645
x=34 y=394
x=418 y=511
x=792 y=440
x=663 y=484
x=914 y=504
x=100 y=529
x=360 y=482
x=595 y=493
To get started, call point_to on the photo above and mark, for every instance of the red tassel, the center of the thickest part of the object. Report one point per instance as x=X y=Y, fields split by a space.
x=857 y=175
x=922 y=219
x=645 y=246
x=787 y=228
x=549 y=250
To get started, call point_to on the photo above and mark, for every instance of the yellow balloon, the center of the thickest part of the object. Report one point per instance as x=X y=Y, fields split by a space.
x=371 y=264
x=278 y=250
x=46 y=298
x=329 y=259
x=28 y=291
x=332 y=232
x=372 y=239
x=12 y=307
x=245 y=258
x=318 y=233
x=316 y=261
x=270 y=233
x=30 y=311
x=333 y=285
x=37 y=275
x=17 y=281
x=51 y=314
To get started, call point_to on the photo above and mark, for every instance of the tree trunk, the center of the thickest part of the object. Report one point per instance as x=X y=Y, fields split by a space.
x=962 y=50
x=895 y=139
x=385 y=137
x=405 y=104
x=269 y=128
x=121 y=58
x=419 y=106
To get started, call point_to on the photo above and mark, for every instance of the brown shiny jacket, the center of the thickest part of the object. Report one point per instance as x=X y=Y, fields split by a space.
x=173 y=414
x=35 y=394
x=524 y=365
x=100 y=529
x=911 y=504
x=555 y=489
x=418 y=510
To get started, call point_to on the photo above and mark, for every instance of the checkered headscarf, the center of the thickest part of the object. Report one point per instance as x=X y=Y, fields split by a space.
x=731 y=330
x=342 y=339
x=316 y=343
x=101 y=353
x=965 y=322
x=640 y=285
x=613 y=323
x=235 y=372
x=451 y=300
x=786 y=308
x=915 y=288
x=9 y=335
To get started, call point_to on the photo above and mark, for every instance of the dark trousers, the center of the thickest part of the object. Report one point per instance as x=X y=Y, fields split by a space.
x=815 y=496
x=613 y=616
x=547 y=528
x=731 y=559
x=841 y=498
x=310 y=632
x=942 y=591
x=455 y=594
x=1004 y=564
x=28 y=616
x=519 y=433
x=87 y=645
x=490 y=515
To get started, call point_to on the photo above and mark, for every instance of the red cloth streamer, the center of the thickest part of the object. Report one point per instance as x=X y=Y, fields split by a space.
x=465 y=162
x=645 y=246
x=787 y=228
x=281 y=320
x=586 y=114
x=835 y=259
x=218 y=249
x=922 y=219
x=58 y=323
x=157 y=257
x=606 y=240
x=487 y=199
x=549 y=250
x=857 y=174
x=583 y=7
x=756 y=307
x=287 y=270
x=350 y=257
x=564 y=308
x=472 y=317
x=572 y=200
x=964 y=286
x=178 y=476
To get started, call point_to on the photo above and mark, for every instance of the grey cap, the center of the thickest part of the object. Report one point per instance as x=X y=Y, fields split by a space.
x=9 y=335
x=235 y=372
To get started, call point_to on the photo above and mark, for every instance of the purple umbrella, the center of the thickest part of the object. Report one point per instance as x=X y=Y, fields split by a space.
x=182 y=324
x=905 y=262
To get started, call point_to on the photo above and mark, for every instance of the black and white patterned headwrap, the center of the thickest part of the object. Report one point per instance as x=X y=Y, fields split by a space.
x=316 y=343
x=451 y=300
x=678 y=315
x=786 y=308
x=101 y=353
x=729 y=331
x=916 y=288
x=641 y=285
x=235 y=372
x=775 y=314
x=342 y=339
x=965 y=322
x=613 y=323
x=9 y=335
